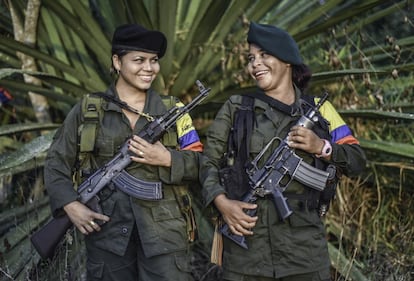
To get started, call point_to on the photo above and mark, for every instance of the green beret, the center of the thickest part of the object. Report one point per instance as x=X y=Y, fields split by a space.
x=275 y=42
x=133 y=37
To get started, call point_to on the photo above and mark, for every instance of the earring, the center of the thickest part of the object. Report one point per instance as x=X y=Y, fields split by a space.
x=117 y=71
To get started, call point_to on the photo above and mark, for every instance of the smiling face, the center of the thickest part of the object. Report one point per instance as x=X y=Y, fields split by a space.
x=137 y=69
x=268 y=71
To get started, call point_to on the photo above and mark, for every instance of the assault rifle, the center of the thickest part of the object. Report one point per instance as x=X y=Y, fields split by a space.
x=46 y=239
x=276 y=174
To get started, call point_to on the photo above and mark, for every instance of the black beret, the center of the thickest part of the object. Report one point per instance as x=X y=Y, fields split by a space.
x=274 y=41
x=134 y=37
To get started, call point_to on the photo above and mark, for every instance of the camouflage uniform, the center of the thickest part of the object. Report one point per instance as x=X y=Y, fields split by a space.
x=277 y=249
x=144 y=240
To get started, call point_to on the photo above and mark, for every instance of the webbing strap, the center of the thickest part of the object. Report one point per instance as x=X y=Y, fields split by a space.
x=91 y=115
x=169 y=101
x=291 y=110
x=243 y=127
x=91 y=105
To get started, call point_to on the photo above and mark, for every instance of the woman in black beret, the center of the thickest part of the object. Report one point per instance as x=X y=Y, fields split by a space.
x=279 y=234
x=130 y=238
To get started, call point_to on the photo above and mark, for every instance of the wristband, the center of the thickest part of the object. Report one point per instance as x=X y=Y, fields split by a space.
x=326 y=150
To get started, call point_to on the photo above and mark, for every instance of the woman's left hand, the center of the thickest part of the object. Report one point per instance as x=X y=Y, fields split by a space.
x=305 y=139
x=152 y=154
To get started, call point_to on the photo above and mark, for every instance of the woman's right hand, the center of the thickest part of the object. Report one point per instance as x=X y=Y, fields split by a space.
x=233 y=213
x=83 y=217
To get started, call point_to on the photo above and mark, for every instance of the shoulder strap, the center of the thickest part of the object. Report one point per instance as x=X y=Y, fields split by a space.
x=309 y=99
x=243 y=127
x=232 y=174
x=91 y=116
x=290 y=110
x=169 y=101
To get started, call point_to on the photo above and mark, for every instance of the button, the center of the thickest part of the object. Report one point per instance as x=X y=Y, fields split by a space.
x=124 y=230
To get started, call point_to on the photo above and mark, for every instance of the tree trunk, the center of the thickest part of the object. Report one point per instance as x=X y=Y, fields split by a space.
x=27 y=34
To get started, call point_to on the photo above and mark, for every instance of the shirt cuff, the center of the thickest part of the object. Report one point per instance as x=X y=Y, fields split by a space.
x=175 y=173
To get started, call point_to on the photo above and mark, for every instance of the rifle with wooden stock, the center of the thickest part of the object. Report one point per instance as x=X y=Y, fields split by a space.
x=46 y=239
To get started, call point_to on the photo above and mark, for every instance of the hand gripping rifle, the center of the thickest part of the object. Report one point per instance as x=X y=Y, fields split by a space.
x=276 y=174
x=46 y=239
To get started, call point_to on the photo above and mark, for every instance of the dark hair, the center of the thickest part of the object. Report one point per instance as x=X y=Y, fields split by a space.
x=120 y=53
x=301 y=74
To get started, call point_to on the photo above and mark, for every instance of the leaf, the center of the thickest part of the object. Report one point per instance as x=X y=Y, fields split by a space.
x=51 y=79
x=30 y=154
x=377 y=114
x=398 y=149
x=10 y=44
x=345 y=266
x=25 y=127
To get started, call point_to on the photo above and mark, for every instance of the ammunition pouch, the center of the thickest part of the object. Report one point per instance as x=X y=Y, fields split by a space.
x=232 y=173
x=328 y=194
x=313 y=199
x=234 y=179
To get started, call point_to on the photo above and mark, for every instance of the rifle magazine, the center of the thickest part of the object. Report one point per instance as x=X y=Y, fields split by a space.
x=138 y=188
x=311 y=176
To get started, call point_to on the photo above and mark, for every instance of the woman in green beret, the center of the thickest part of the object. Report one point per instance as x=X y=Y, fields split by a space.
x=130 y=238
x=261 y=242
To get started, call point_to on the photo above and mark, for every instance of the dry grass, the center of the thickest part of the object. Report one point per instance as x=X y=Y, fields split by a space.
x=371 y=222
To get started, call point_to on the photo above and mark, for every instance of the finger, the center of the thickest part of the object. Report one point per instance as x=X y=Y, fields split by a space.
x=242 y=230
x=139 y=152
x=248 y=206
x=88 y=228
x=292 y=136
x=299 y=139
x=98 y=223
x=82 y=229
x=294 y=128
x=94 y=226
x=235 y=231
x=136 y=144
x=248 y=225
x=141 y=147
x=141 y=141
x=139 y=159
x=101 y=217
x=247 y=232
x=249 y=219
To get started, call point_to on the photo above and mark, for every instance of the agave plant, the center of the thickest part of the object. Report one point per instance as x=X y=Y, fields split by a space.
x=360 y=52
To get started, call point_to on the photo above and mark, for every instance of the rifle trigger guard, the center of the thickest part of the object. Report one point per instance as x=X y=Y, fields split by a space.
x=261 y=192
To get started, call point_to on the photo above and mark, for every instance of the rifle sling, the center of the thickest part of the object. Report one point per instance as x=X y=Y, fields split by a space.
x=123 y=105
x=291 y=110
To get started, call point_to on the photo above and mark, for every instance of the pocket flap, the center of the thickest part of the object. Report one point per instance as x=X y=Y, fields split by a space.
x=165 y=211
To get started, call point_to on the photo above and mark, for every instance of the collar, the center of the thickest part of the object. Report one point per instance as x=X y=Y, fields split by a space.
x=292 y=110
x=154 y=105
